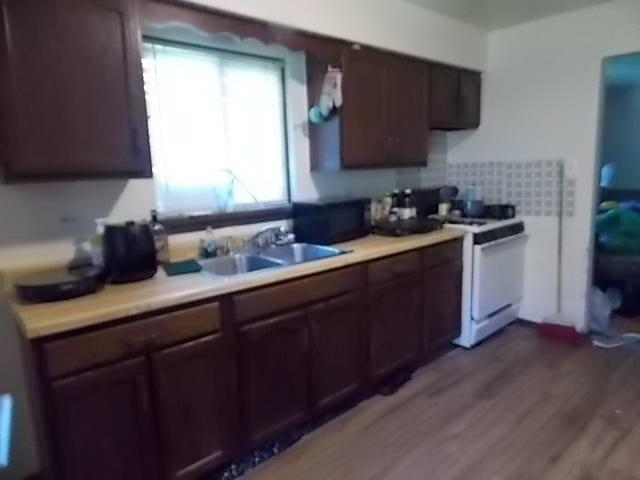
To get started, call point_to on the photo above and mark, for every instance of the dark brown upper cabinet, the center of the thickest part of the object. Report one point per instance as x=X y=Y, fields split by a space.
x=470 y=94
x=455 y=98
x=383 y=122
x=407 y=87
x=71 y=90
x=365 y=133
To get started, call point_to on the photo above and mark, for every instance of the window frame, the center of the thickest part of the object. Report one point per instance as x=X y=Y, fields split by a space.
x=194 y=223
x=185 y=223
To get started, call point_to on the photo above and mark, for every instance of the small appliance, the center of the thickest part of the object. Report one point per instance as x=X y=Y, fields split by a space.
x=129 y=252
x=58 y=284
x=331 y=220
x=500 y=211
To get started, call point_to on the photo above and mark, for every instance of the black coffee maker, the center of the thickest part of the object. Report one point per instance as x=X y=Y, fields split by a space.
x=129 y=252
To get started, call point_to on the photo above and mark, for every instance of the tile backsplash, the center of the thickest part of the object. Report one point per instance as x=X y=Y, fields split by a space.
x=487 y=176
x=538 y=187
x=434 y=174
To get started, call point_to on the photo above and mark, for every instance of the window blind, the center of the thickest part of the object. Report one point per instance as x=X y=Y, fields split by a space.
x=216 y=127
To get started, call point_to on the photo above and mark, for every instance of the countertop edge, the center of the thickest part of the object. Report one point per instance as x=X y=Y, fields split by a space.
x=34 y=330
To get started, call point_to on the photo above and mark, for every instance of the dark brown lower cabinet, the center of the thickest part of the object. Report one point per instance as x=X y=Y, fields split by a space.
x=274 y=375
x=196 y=402
x=442 y=304
x=394 y=325
x=336 y=350
x=186 y=392
x=103 y=424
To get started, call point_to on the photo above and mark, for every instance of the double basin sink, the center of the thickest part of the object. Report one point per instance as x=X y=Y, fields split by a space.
x=269 y=257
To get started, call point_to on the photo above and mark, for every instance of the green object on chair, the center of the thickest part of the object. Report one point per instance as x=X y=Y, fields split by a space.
x=182 y=268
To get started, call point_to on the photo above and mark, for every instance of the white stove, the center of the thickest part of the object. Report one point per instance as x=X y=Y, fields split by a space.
x=493 y=272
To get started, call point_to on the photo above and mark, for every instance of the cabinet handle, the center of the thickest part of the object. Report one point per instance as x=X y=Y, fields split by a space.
x=142 y=395
x=135 y=144
x=143 y=341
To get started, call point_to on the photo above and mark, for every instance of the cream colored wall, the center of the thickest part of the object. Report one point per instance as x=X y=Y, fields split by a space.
x=542 y=94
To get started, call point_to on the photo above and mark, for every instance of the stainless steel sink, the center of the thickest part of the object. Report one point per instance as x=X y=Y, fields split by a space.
x=269 y=257
x=237 y=264
x=300 y=253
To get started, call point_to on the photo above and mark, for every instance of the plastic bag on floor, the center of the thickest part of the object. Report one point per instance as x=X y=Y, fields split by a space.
x=602 y=305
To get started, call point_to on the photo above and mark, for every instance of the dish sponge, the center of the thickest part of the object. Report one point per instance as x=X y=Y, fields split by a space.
x=182 y=268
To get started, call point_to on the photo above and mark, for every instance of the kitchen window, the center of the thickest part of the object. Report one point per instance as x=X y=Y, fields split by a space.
x=217 y=129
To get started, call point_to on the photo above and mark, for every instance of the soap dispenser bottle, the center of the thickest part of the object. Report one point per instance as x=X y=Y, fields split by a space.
x=160 y=238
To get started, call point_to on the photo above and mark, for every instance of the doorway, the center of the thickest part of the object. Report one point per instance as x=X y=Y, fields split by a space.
x=617 y=226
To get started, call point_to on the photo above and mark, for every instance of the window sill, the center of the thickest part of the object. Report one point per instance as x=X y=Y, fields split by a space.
x=194 y=223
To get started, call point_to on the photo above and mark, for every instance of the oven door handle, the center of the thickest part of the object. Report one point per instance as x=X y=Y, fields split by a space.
x=495 y=243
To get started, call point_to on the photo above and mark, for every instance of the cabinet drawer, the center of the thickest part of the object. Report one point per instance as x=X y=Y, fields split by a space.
x=266 y=301
x=394 y=267
x=449 y=252
x=91 y=349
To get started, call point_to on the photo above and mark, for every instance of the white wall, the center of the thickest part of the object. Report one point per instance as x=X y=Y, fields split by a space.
x=541 y=100
x=390 y=24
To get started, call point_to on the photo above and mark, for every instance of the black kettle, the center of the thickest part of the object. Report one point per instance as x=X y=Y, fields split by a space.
x=129 y=252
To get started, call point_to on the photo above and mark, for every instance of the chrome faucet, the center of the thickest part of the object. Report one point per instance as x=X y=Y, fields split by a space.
x=270 y=236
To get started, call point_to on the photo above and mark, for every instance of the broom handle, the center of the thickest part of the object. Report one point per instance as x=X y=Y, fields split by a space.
x=560 y=237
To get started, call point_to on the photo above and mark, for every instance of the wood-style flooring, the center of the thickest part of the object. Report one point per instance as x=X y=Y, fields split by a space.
x=516 y=407
x=625 y=325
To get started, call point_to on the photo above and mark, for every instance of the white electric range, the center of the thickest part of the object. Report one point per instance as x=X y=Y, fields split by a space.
x=493 y=272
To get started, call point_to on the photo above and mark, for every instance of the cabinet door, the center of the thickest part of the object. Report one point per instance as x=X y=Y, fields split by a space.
x=72 y=99
x=394 y=325
x=274 y=375
x=442 y=305
x=102 y=424
x=196 y=403
x=408 y=114
x=445 y=97
x=365 y=112
x=336 y=350
x=470 y=94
